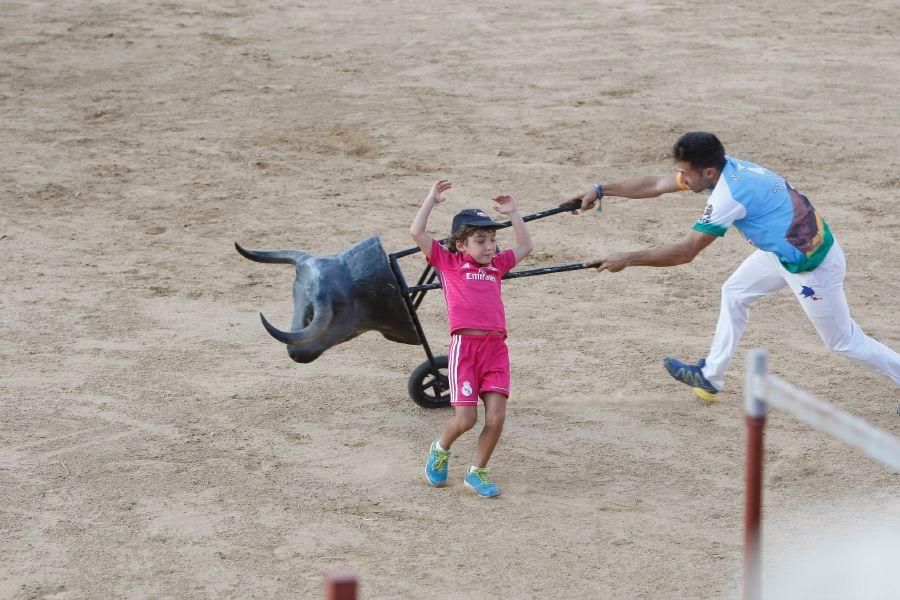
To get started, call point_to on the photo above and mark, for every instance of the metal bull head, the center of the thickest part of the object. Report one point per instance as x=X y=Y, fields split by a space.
x=338 y=297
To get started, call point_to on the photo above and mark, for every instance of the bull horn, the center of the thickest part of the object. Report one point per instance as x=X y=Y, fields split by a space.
x=324 y=313
x=273 y=256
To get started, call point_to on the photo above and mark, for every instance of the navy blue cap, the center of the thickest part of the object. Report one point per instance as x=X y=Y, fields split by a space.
x=473 y=217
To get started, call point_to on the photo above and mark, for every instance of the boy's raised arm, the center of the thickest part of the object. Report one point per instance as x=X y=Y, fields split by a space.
x=417 y=229
x=507 y=205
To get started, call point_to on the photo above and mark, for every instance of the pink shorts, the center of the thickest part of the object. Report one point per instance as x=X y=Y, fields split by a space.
x=477 y=364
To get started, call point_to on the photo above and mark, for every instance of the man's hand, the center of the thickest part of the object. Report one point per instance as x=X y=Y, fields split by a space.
x=588 y=200
x=505 y=204
x=612 y=263
x=436 y=195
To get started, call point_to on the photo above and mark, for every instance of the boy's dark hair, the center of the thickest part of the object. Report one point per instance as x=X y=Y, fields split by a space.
x=700 y=149
x=462 y=234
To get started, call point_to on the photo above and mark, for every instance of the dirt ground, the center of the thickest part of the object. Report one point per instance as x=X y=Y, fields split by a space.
x=155 y=442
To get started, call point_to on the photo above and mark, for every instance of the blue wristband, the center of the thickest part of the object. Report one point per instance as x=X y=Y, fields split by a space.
x=599 y=191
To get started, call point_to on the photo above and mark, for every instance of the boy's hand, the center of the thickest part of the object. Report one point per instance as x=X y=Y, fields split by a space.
x=505 y=204
x=436 y=195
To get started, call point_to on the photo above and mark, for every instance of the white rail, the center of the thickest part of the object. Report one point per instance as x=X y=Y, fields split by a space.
x=769 y=389
x=762 y=389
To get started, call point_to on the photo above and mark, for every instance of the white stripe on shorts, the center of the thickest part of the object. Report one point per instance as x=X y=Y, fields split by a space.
x=453 y=364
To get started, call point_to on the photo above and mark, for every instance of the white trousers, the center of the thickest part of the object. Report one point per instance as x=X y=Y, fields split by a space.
x=820 y=293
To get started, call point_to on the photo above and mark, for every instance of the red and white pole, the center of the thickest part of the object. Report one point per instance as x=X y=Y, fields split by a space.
x=755 y=420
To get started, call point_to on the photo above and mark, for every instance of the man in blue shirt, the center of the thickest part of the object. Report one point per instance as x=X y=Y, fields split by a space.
x=795 y=249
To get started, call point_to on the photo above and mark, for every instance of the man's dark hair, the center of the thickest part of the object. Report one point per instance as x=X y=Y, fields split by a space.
x=700 y=149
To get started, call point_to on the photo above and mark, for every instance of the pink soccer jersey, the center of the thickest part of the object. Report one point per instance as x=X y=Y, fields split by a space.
x=472 y=291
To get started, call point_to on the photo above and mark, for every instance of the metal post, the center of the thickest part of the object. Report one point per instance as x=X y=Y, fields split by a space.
x=340 y=586
x=417 y=298
x=404 y=291
x=755 y=420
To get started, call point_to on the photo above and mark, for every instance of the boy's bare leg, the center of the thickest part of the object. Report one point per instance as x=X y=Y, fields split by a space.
x=494 y=417
x=463 y=420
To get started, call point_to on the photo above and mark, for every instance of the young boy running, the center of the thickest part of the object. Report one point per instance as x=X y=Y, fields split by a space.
x=471 y=269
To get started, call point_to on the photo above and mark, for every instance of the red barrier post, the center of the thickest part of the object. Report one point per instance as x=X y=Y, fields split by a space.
x=755 y=420
x=340 y=586
x=753 y=507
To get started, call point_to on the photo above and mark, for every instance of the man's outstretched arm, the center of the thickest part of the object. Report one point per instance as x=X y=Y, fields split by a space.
x=669 y=255
x=649 y=186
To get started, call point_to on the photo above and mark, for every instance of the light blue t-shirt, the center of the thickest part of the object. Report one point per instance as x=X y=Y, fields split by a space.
x=769 y=213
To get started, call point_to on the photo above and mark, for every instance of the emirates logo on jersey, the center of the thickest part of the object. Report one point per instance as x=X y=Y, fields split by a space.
x=481 y=276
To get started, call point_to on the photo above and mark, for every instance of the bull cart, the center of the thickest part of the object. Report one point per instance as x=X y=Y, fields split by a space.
x=338 y=297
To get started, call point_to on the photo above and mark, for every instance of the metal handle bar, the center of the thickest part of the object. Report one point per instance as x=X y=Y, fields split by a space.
x=510 y=275
x=569 y=207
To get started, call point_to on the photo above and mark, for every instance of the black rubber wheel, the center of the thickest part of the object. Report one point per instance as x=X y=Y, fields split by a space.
x=424 y=380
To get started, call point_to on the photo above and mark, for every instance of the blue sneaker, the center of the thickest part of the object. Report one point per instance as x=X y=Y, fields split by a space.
x=479 y=481
x=436 y=466
x=692 y=375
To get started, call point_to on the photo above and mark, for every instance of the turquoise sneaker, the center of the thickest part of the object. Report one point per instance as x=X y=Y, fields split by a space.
x=436 y=466
x=479 y=481
x=692 y=375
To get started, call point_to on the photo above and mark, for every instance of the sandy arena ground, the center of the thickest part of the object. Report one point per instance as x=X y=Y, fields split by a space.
x=155 y=442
